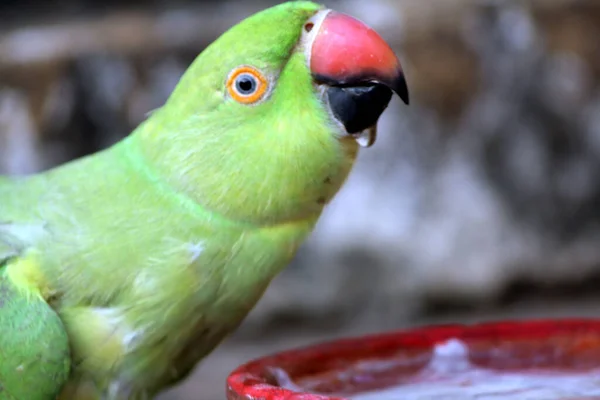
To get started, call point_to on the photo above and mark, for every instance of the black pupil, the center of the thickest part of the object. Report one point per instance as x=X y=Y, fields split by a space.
x=246 y=84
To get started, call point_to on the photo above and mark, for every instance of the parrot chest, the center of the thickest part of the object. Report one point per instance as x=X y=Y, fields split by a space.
x=179 y=302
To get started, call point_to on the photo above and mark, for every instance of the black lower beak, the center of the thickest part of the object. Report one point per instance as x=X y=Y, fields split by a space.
x=358 y=107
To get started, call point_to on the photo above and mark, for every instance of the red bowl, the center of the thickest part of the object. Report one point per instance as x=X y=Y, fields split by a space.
x=358 y=365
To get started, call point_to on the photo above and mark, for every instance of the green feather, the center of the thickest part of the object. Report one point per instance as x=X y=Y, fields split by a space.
x=34 y=348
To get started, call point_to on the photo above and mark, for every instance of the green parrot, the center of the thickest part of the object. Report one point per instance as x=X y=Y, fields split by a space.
x=121 y=270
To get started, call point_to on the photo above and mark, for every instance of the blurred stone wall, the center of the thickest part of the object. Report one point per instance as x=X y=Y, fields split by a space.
x=480 y=200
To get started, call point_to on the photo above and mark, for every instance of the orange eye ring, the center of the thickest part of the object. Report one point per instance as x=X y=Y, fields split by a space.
x=246 y=85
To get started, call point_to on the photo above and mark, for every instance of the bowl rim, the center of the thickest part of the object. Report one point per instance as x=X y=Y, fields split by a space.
x=252 y=379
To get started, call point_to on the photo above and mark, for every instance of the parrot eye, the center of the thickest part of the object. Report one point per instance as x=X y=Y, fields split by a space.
x=246 y=85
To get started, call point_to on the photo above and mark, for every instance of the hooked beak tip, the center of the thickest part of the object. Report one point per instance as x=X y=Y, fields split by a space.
x=401 y=88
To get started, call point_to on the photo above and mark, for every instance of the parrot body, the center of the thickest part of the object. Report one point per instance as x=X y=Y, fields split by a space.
x=197 y=273
x=121 y=270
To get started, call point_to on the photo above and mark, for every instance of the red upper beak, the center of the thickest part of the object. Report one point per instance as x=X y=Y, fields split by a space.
x=347 y=52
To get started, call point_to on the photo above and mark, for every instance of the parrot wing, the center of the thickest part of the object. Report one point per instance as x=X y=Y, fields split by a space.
x=34 y=348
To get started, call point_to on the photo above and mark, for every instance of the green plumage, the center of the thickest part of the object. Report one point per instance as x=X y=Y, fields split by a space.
x=148 y=254
x=34 y=348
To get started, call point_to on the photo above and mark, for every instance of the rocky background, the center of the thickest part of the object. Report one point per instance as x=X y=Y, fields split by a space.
x=481 y=200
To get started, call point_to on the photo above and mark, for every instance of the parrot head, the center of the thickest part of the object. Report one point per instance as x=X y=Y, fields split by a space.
x=265 y=124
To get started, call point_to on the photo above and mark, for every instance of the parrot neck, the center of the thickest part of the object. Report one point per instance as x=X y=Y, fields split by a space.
x=255 y=181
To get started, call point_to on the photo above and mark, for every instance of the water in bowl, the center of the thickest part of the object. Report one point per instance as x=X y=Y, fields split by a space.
x=450 y=376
